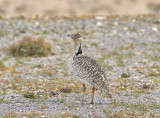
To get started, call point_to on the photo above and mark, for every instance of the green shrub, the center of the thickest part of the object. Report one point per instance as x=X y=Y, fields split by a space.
x=30 y=46
x=125 y=75
x=2 y=66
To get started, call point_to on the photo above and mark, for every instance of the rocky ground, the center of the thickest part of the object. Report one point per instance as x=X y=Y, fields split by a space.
x=127 y=47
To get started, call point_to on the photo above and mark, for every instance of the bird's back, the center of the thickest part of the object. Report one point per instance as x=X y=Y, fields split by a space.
x=90 y=70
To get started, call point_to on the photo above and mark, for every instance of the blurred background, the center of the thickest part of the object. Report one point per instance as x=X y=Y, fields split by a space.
x=78 y=7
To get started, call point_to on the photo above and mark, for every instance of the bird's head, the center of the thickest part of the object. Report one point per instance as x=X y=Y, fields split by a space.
x=75 y=38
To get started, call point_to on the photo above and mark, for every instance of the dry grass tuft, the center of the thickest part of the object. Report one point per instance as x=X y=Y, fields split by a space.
x=10 y=114
x=67 y=114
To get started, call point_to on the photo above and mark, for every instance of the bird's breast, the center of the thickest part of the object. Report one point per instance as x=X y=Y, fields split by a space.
x=85 y=67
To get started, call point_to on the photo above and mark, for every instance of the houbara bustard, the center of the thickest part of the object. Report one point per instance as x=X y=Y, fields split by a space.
x=88 y=70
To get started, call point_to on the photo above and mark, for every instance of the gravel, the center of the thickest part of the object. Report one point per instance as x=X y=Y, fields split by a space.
x=126 y=44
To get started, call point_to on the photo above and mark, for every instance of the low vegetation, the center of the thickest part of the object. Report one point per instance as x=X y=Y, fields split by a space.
x=2 y=66
x=30 y=46
x=125 y=75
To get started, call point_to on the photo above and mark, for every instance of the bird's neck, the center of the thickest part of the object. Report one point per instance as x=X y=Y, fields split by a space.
x=78 y=49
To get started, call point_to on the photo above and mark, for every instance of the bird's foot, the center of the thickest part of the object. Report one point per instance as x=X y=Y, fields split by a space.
x=92 y=102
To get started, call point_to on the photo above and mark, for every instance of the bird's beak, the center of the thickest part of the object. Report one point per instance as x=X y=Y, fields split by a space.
x=73 y=39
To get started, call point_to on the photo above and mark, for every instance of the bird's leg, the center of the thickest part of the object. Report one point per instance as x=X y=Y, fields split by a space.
x=93 y=90
x=84 y=90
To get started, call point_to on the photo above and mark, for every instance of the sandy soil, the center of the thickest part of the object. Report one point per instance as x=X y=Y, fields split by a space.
x=78 y=7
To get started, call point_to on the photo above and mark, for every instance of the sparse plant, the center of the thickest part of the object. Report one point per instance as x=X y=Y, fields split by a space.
x=110 y=68
x=125 y=75
x=152 y=73
x=46 y=72
x=32 y=114
x=43 y=106
x=107 y=111
x=10 y=114
x=53 y=93
x=30 y=46
x=67 y=114
x=37 y=66
x=2 y=66
x=63 y=99
x=30 y=95
x=119 y=61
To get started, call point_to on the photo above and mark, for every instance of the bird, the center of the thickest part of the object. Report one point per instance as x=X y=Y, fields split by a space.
x=88 y=70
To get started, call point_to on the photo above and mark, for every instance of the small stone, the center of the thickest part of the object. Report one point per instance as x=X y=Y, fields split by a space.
x=154 y=29
x=99 y=24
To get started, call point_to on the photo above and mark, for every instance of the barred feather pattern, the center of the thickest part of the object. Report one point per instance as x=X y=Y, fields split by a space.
x=91 y=71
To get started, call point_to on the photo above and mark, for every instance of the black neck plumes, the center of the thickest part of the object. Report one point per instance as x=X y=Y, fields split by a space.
x=79 y=51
